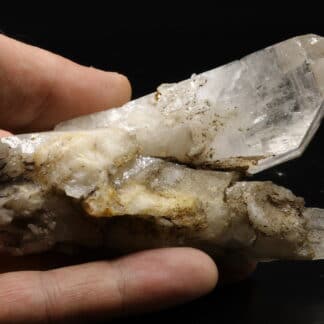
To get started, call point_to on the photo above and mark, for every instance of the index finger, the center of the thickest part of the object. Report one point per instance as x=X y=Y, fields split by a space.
x=38 y=89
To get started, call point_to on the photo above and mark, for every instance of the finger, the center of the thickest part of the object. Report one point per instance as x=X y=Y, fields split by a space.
x=140 y=282
x=38 y=89
x=4 y=133
x=44 y=261
x=49 y=260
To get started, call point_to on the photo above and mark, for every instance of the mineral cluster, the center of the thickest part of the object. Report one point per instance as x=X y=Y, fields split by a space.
x=167 y=169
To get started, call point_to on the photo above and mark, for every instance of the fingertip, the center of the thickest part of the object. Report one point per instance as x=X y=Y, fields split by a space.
x=4 y=133
x=123 y=83
x=167 y=277
x=117 y=87
x=120 y=90
x=201 y=272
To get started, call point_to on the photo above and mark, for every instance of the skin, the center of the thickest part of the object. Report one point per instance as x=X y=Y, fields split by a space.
x=38 y=89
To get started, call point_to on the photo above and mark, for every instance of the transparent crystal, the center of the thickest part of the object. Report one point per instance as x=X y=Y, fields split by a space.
x=253 y=113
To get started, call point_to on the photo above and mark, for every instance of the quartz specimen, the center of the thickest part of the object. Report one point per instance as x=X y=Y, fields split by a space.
x=107 y=180
x=250 y=114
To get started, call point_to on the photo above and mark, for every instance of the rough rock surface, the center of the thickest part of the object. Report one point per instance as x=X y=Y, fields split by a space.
x=95 y=189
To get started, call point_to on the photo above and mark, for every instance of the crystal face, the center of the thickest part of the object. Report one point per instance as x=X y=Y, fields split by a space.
x=106 y=180
x=253 y=113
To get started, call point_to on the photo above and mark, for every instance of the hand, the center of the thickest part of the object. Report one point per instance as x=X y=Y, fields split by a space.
x=37 y=90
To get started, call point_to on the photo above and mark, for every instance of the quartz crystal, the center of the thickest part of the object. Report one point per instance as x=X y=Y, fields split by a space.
x=250 y=114
x=123 y=180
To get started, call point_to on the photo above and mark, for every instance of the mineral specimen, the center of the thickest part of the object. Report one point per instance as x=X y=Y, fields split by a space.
x=250 y=114
x=111 y=180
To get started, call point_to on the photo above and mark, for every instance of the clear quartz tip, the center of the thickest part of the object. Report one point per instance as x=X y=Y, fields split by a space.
x=251 y=114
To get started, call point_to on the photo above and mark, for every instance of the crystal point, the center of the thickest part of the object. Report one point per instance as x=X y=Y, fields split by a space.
x=252 y=113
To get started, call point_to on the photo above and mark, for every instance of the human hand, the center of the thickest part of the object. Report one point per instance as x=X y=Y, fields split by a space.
x=37 y=90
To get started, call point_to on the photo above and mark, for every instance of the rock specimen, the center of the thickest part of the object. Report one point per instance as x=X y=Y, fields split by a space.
x=113 y=179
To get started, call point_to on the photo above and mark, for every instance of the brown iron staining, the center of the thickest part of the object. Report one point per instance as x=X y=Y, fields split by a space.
x=135 y=199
